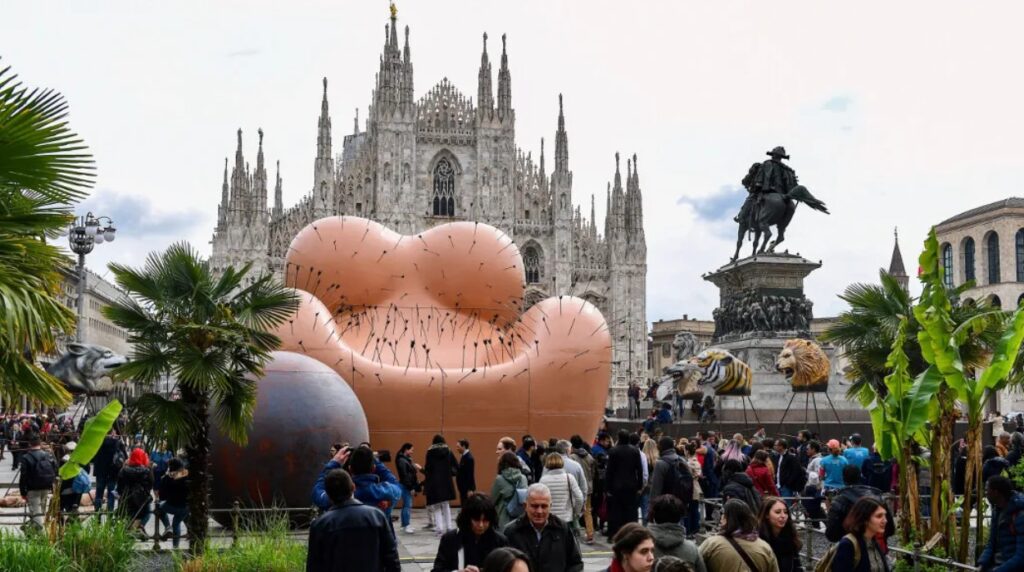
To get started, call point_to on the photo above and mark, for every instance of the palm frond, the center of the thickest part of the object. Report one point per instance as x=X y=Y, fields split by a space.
x=38 y=151
x=166 y=417
x=233 y=407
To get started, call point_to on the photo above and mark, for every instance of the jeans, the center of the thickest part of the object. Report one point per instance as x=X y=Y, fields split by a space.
x=406 y=507
x=106 y=483
x=785 y=492
x=37 y=505
x=813 y=507
x=179 y=513
x=691 y=520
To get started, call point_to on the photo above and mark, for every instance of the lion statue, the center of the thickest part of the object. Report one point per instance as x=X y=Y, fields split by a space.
x=685 y=345
x=723 y=372
x=805 y=365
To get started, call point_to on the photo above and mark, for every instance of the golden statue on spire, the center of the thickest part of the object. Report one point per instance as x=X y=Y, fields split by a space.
x=394 y=11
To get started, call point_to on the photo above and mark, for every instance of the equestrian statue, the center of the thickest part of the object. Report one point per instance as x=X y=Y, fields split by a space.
x=773 y=193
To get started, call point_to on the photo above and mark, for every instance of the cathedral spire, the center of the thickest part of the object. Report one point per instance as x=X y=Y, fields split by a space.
x=323 y=138
x=504 y=83
x=259 y=152
x=405 y=50
x=278 y=194
x=593 y=217
x=484 y=95
x=239 y=159
x=561 y=141
x=355 y=123
x=542 y=172
x=896 y=268
x=393 y=41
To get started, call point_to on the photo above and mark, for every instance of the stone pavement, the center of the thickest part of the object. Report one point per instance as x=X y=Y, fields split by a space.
x=416 y=550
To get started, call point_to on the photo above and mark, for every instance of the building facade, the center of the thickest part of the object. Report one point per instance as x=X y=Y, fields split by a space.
x=416 y=163
x=986 y=245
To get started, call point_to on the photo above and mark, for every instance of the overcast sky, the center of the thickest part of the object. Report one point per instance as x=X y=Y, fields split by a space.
x=894 y=113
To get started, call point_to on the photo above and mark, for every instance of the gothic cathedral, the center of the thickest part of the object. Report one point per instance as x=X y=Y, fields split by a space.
x=419 y=163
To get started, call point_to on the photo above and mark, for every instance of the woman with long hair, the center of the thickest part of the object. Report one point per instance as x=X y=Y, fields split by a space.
x=737 y=544
x=507 y=560
x=760 y=471
x=865 y=522
x=473 y=539
x=650 y=450
x=566 y=494
x=734 y=452
x=633 y=549
x=776 y=528
x=510 y=478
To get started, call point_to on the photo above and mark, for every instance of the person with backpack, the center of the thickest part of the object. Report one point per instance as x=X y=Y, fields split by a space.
x=671 y=474
x=134 y=487
x=736 y=484
x=858 y=550
x=106 y=466
x=844 y=501
x=38 y=471
x=509 y=489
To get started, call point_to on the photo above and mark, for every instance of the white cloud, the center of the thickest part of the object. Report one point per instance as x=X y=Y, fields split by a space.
x=895 y=114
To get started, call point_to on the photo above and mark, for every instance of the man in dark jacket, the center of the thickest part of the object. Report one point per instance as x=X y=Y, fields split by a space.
x=544 y=537
x=844 y=501
x=38 y=471
x=667 y=470
x=106 y=465
x=738 y=485
x=624 y=479
x=1005 y=549
x=350 y=536
x=465 y=477
x=790 y=476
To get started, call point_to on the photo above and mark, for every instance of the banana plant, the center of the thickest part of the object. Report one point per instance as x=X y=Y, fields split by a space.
x=940 y=340
x=899 y=419
x=89 y=442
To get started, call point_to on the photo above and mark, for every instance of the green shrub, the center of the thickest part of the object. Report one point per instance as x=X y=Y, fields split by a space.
x=268 y=549
x=99 y=547
x=30 y=554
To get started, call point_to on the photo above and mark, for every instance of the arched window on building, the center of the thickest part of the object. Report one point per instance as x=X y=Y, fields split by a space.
x=947 y=265
x=531 y=264
x=969 y=259
x=995 y=302
x=444 y=189
x=992 y=245
x=1020 y=255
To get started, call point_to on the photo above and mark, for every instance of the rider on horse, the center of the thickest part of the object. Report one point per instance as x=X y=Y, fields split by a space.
x=771 y=176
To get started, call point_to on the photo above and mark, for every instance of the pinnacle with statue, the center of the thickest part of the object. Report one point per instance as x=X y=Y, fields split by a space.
x=773 y=192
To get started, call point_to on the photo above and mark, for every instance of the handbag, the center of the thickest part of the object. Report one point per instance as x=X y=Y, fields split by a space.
x=572 y=503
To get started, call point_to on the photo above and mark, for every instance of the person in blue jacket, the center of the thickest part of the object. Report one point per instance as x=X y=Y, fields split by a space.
x=375 y=484
x=1005 y=549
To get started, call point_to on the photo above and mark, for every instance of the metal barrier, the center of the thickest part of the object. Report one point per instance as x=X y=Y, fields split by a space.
x=796 y=509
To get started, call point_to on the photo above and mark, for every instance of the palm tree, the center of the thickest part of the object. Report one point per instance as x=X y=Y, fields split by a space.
x=212 y=334
x=867 y=332
x=44 y=167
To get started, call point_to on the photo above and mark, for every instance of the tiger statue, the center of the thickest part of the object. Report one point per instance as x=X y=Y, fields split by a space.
x=805 y=366
x=723 y=372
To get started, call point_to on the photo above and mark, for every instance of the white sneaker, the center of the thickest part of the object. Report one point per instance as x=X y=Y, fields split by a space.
x=409 y=529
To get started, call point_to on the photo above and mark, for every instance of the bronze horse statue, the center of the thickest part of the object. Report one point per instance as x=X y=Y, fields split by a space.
x=774 y=209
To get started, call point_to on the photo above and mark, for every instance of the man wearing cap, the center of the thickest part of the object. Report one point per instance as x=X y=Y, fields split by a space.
x=832 y=467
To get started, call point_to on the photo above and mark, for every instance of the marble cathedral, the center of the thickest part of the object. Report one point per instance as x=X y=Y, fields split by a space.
x=417 y=163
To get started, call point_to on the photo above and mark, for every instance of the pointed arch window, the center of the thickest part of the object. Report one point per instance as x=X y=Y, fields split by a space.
x=992 y=244
x=444 y=189
x=531 y=263
x=947 y=265
x=969 y=259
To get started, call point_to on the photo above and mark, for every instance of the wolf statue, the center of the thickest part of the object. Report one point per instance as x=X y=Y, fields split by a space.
x=82 y=367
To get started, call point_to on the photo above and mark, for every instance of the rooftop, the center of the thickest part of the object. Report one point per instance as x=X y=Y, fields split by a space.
x=1011 y=202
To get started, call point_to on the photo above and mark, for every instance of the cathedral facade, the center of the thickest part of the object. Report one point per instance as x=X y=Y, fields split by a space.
x=417 y=163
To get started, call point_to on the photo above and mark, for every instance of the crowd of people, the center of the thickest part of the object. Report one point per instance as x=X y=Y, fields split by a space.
x=651 y=495
x=130 y=482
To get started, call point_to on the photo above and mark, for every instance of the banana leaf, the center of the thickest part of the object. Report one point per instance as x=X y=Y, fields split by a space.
x=1005 y=354
x=93 y=433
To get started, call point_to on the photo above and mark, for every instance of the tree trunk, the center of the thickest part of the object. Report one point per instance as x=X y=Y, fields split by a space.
x=910 y=497
x=942 y=519
x=198 y=453
x=972 y=482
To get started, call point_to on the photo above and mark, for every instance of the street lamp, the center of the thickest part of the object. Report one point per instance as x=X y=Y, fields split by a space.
x=84 y=233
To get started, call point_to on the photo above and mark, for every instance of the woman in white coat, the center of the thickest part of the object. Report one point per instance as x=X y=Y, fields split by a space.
x=566 y=495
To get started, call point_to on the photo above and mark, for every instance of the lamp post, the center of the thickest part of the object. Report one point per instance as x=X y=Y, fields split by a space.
x=83 y=235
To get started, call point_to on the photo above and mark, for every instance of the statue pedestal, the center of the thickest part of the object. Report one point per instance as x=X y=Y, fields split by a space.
x=762 y=304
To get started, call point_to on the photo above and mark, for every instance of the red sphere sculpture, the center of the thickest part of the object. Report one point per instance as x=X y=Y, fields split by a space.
x=302 y=407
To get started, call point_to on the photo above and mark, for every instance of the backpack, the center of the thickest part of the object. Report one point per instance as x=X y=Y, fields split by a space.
x=825 y=564
x=516 y=505
x=119 y=459
x=81 y=483
x=42 y=470
x=600 y=467
x=680 y=484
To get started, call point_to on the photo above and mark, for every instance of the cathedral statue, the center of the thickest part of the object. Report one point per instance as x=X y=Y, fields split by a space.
x=773 y=192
